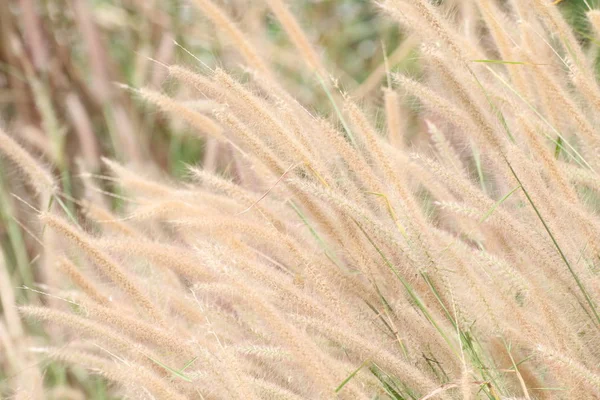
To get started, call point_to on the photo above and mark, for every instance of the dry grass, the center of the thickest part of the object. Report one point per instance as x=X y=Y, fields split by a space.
x=436 y=238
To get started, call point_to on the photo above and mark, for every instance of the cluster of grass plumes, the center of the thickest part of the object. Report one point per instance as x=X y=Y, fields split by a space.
x=335 y=260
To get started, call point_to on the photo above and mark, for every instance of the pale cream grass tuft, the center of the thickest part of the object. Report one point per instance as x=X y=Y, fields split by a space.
x=594 y=17
x=127 y=375
x=40 y=179
x=201 y=122
x=296 y=34
x=88 y=286
x=108 y=267
x=237 y=38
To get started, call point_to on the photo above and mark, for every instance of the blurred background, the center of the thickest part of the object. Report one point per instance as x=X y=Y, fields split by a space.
x=60 y=60
x=65 y=66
